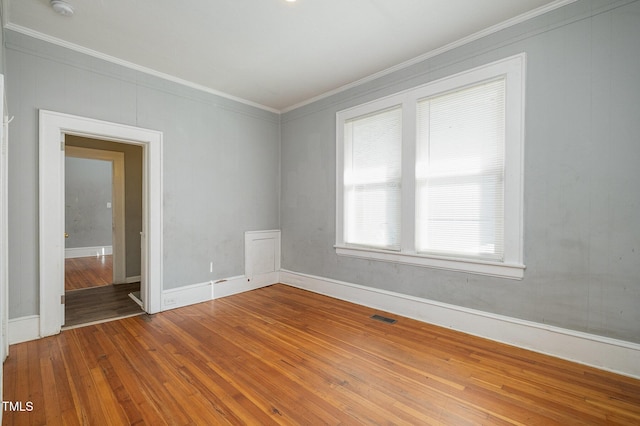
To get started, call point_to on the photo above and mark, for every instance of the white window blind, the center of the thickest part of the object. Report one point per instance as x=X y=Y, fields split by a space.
x=460 y=172
x=372 y=177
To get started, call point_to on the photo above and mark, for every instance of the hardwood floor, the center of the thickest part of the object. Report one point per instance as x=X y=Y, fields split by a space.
x=88 y=272
x=280 y=355
x=99 y=303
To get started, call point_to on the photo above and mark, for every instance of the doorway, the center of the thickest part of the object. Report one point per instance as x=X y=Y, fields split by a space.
x=54 y=129
x=103 y=222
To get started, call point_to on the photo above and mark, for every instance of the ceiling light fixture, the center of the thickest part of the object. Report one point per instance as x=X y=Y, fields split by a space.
x=62 y=7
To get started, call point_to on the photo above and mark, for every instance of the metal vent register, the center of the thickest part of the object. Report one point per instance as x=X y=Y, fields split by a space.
x=384 y=319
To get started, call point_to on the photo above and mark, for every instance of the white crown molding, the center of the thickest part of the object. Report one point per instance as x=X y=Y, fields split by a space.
x=493 y=29
x=458 y=43
x=90 y=52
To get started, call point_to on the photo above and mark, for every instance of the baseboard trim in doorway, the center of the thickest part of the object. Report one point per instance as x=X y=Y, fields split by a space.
x=71 y=253
x=135 y=296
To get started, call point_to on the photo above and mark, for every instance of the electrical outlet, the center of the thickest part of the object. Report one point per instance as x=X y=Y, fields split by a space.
x=170 y=301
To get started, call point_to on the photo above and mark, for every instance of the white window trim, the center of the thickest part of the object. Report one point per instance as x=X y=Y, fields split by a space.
x=512 y=265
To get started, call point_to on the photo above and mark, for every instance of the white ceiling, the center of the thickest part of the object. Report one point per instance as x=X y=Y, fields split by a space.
x=270 y=53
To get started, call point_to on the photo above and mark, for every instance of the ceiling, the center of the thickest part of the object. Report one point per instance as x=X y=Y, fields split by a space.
x=269 y=53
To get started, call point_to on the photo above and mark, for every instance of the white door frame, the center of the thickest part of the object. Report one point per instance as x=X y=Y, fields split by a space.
x=117 y=198
x=53 y=127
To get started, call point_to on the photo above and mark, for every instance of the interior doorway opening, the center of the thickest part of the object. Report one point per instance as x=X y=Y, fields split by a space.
x=103 y=224
x=54 y=129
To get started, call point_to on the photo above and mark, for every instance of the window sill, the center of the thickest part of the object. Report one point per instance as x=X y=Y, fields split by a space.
x=481 y=267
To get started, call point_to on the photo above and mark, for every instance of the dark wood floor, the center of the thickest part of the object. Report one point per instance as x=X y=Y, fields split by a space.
x=88 y=272
x=280 y=355
x=100 y=303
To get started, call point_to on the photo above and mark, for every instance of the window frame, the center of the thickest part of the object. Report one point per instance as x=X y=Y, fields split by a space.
x=511 y=266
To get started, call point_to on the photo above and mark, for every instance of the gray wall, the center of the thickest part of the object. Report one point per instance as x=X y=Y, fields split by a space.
x=220 y=160
x=582 y=170
x=88 y=186
x=132 y=194
x=2 y=54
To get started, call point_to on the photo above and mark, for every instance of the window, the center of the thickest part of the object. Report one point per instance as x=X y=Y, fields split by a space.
x=433 y=176
x=372 y=180
x=459 y=172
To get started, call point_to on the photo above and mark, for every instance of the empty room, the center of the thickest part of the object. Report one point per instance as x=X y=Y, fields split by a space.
x=320 y=212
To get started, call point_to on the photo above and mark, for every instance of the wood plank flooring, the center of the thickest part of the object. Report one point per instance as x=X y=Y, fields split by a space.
x=280 y=355
x=99 y=303
x=88 y=272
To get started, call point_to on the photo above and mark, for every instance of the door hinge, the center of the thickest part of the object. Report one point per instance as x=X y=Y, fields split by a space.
x=62 y=299
x=61 y=145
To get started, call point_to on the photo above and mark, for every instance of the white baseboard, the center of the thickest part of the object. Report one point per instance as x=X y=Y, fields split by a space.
x=70 y=253
x=613 y=355
x=605 y=353
x=241 y=284
x=203 y=292
x=130 y=280
x=24 y=329
x=185 y=296
x=27 y=328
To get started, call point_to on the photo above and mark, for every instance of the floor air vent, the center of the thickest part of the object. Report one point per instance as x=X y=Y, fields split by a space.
x=383 y=319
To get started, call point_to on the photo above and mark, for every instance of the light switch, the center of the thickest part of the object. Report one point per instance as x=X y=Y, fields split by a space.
x=109 y=205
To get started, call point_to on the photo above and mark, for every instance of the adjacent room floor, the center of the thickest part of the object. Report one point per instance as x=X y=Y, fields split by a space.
x=100 y=303
x=90 y=295
x=280 y=355
x=88 y=272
